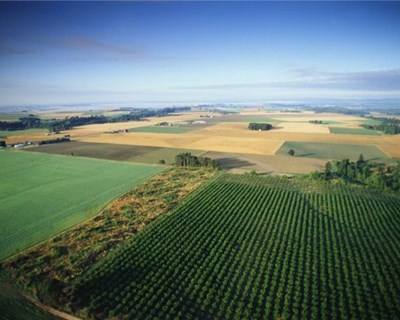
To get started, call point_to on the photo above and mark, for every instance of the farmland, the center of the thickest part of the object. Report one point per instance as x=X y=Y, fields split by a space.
x=361 y=131
x=246 y=247
x=26 y=133
x=332 y=151
x=163 y=129
x=217 y=133
x=113 y=151
x=44 y=194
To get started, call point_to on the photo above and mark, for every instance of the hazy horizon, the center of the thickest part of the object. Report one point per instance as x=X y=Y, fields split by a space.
x=198 y=53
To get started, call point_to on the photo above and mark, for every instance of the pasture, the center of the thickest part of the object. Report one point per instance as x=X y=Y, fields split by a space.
x=246 y=247
x=44 y=194
x=331 y=151
x=358 y=131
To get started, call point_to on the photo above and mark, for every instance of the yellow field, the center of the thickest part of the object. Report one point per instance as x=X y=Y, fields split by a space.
x=37 y=136
x=234 y=137
x=94 y=129
x=302 y=127
x=191 y=141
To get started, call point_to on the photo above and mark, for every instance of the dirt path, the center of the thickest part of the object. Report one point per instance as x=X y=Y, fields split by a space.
x=59 y=314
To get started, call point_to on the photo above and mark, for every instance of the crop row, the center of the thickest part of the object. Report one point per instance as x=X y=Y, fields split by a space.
x=245 y=248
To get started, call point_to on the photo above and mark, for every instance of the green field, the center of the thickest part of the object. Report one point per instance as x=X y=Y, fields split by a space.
x=360 y=131
x=332 y=151
x=12 y=116
x=251 y=247
x=111 y=151
x=372 y=122
x=165 y=129
x=43 y=194
x=6 y=133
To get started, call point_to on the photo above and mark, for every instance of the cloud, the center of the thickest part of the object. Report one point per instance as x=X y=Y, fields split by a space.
x=10 y=51
x=308 y=78
x=376 y=80
x=91 y=44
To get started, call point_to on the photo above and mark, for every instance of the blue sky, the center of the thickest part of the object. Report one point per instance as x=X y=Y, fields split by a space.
x=204 y=52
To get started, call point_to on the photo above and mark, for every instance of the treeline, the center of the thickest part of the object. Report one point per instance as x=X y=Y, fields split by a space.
x=57 y=140
x=335 y=109
x=53 y=125
x=316 y=121
x=189 y=160
x=387 y=126
x=375 y=175
x=260 y=126
x=23 y=123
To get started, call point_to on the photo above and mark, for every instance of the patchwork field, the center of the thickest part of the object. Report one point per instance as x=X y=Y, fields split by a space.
x=332 y=151
x=43 y=194
x=229 y=133
x=112 y=151
x=249 y=247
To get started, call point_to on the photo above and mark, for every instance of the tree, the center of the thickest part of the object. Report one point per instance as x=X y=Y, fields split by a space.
x=260 y=126
x=291 y=152
x=328 y=170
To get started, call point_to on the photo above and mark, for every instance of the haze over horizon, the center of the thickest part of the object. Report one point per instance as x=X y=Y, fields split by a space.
x=68 y=53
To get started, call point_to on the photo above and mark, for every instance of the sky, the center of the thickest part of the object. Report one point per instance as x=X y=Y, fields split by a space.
x=197 y=52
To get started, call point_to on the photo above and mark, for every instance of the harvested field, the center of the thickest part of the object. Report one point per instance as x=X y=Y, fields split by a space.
x=163 y=129
x=392 y=150
x=331 y=151
x=33 y=136
x=243 y=118
x=112 y=151
x=94 y=129
x=239 y=162
x=192 y=141
x=302 y=127
x=235 y=137
x=25 y=134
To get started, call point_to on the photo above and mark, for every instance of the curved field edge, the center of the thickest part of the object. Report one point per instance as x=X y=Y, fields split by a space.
x=331 y=151
x=13 y=305
x=252 y=247
x=46 y=194
x=46 y=271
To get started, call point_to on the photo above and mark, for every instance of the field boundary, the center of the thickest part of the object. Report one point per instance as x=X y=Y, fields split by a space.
x=97 y=210
x=51 y=310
